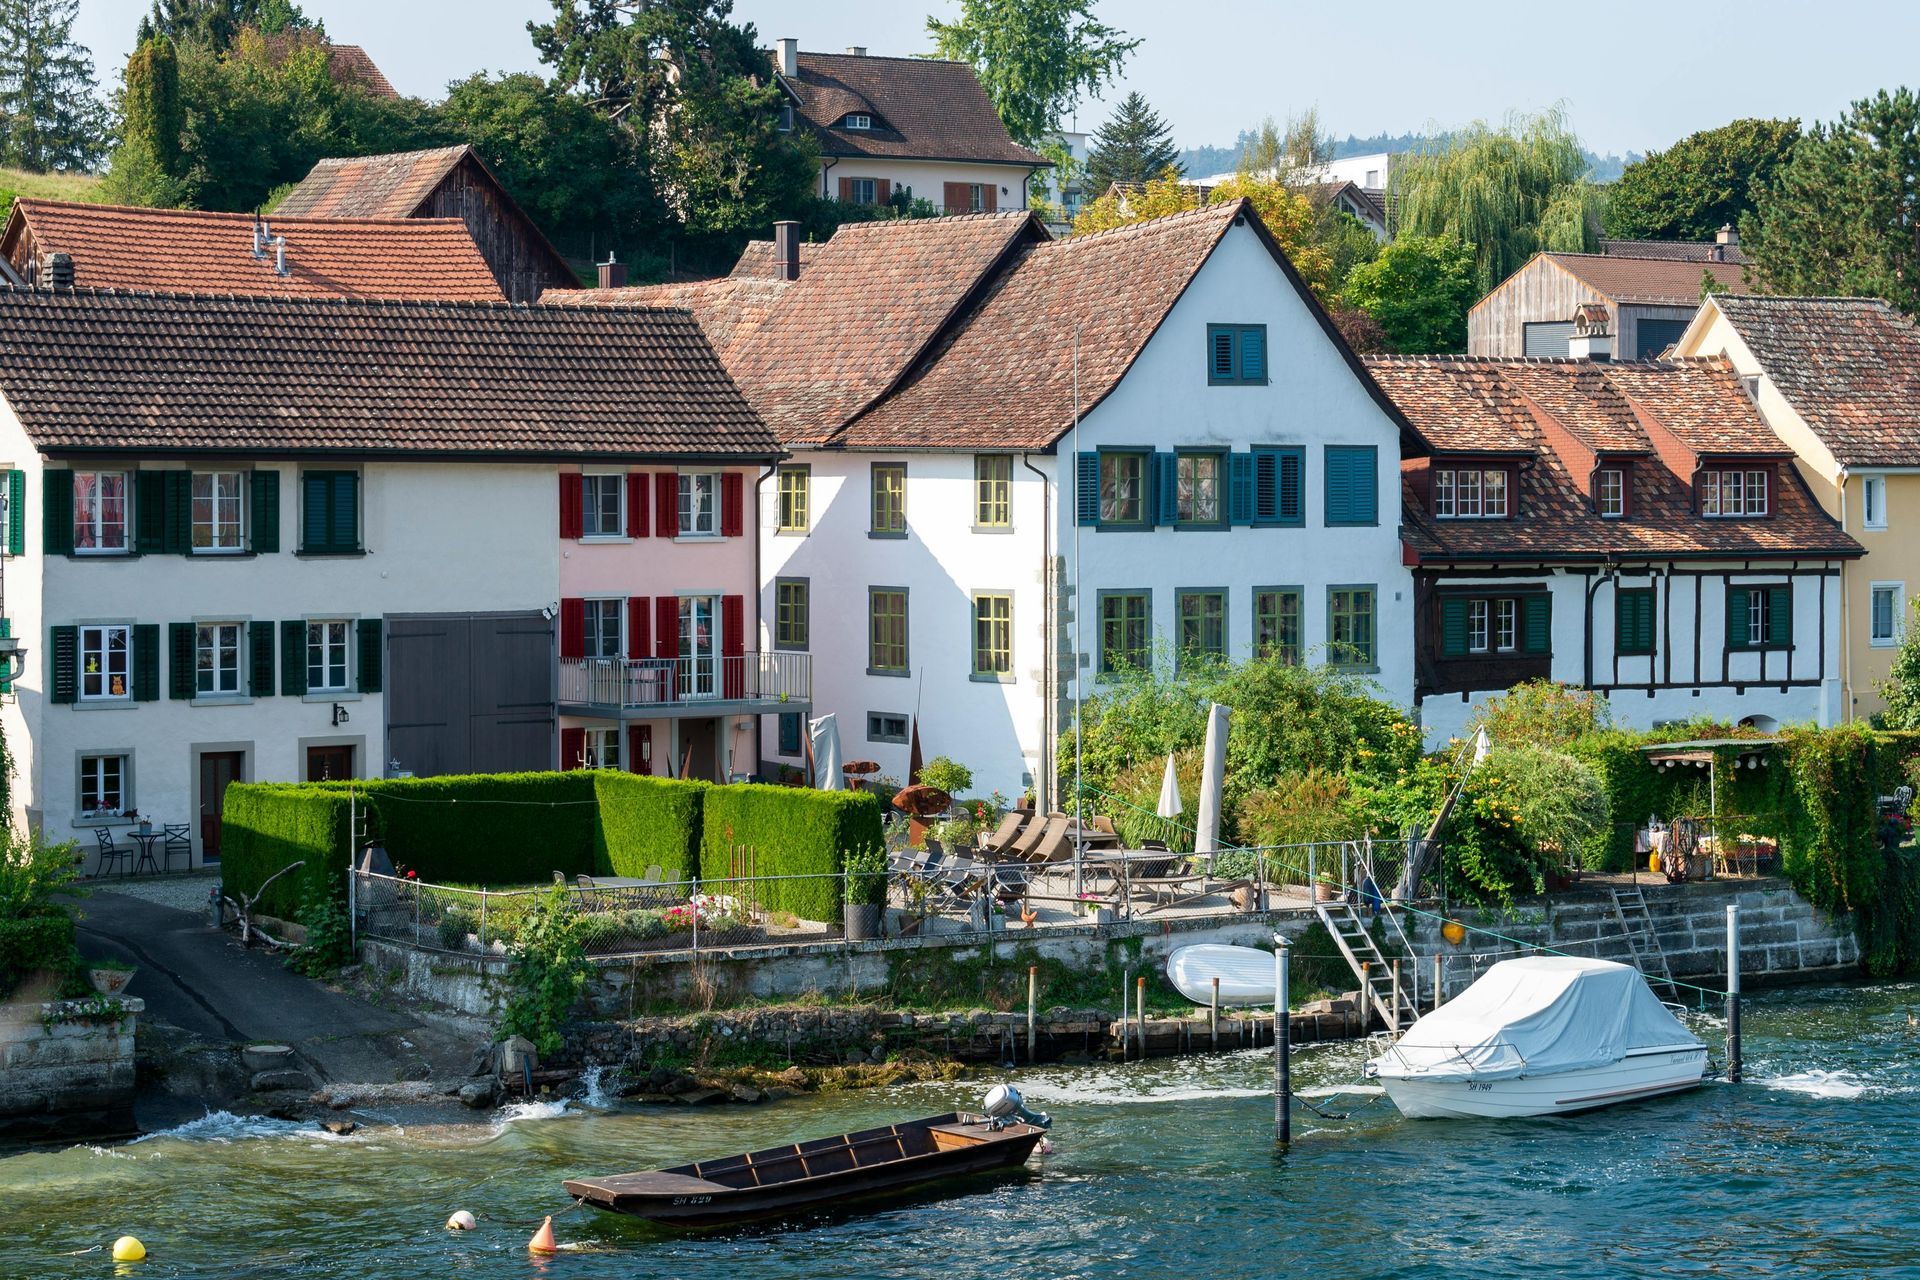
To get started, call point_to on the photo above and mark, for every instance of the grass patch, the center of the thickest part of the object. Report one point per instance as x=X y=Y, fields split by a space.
x=16 y=183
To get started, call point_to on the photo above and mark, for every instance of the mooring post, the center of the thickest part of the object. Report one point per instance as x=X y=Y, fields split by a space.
x=1126 y=983
x=1033 y=1006
x=1733 y=993
x=1396 y=995
x=1438 y=981
x=1140 y=1013
x=1213 y=1015
x=1282 y=1045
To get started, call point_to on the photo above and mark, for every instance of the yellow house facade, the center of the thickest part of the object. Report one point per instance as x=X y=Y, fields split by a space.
x=1838 y=379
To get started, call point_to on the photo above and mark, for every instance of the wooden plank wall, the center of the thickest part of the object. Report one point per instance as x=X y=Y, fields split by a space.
x=1538 y=291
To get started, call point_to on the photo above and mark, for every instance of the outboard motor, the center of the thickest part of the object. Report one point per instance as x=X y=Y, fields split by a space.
x=1004 y=1107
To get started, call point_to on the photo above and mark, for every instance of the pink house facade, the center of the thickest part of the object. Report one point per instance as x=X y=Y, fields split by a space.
x=659 y=666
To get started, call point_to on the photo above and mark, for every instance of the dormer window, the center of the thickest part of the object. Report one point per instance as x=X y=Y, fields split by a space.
x=1470 y=493
x=857 y=120
x=786 y=117
x=1733 y=493
x=1610 y=493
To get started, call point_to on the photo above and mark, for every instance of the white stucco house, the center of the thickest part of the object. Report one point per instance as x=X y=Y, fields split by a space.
x=964 y=544
x=1634 y=528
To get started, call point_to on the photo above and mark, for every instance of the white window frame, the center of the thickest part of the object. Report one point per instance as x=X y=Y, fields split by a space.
x=1873 y=503
x=1896 y=615
x=326 y=659
x=1731 y=493
x=593 y=633
x=101 y=634
x=689 y=517
x=203 y=644
x=1443 y=494
x=591 y=509
x=863 y=190
x=1493 y=483
x=1759 y=616
x=216 y=497
x=96 y=765
x=96 y=526
x=1477 y=634
x=857 y=120
x=1610 y=505
x=1466 y=485
x=600 y=746
x=1506 y=625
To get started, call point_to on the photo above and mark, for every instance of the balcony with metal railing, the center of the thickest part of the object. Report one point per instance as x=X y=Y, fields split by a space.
x=665 y=688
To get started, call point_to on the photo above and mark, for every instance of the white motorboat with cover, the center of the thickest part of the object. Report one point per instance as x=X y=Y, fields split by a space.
x=1543 y=1035
x=1245 y=973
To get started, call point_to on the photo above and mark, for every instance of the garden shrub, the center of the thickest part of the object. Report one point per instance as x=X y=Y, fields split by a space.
x=548 y=973
x=329 y=943
x=1558 y=801
x=946 y=775
x=757 y=830
x=649 y=822
x=498 y=828
x=32 y=943
x=269 y=825
x=1542 y=713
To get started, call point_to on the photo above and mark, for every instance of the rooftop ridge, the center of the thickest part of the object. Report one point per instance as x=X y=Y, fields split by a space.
x=1213 y=209
x=294 y=219
x=276 y=300
x=876 y=57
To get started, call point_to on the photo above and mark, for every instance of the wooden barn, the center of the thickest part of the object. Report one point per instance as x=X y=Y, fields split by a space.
x=448 y=182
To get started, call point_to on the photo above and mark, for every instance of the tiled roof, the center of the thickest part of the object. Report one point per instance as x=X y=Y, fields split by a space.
x=388 y=186
x=349 y=63
x=876 y=295
x=1467 y=404
x=1674 y=250
x=923 y=108
x=165 y=372
x=728 y=310
x=191 y=251
x=1646 y=280
x=757 y=258
x=1850 y=367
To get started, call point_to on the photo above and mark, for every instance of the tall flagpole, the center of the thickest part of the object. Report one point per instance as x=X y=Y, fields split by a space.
x=1079 y=609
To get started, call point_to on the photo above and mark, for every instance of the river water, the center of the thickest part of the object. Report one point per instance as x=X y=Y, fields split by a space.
x=1167 y=1169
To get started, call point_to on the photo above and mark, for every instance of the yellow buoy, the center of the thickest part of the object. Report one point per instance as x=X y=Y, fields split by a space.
x=128 y=1249
x=1454 y=932
x=1653 y=863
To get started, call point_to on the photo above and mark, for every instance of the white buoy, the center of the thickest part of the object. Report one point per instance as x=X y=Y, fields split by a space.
x=461 y=1221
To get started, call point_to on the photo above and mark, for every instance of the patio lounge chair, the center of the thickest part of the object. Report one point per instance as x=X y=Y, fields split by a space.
x=1002 y=836
x=1054 y=845
x=1185 y=880
x=1023 y=845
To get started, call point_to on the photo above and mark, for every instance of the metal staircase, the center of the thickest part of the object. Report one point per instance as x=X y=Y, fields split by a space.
x=1392 y=1000
x=1643 y=940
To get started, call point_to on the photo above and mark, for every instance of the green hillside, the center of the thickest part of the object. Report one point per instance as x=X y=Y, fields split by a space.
x=46 y=186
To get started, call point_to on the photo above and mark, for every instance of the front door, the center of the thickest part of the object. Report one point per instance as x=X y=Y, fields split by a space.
x=217 y=769
x=700 y=750
x=699 y=647
x=329 y=764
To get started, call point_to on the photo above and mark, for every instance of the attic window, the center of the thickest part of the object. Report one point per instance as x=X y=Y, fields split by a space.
x=856 y=120
x=786 y=117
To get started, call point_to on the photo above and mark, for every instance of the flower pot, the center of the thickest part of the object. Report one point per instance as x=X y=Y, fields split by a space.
x=110 y=982
x=1325 y=893
x=861 y=921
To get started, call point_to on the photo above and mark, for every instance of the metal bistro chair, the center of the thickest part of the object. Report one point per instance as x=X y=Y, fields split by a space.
x=176 y=839
x=111 y=854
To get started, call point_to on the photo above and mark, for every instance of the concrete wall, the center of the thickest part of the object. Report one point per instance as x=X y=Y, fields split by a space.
x=65 y=1073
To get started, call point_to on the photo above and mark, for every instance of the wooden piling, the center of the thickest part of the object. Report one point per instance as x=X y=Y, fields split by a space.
x=1033 y=1009
x=1282 y=1046
x=1213 y=1015
x=1140 y=1012
x=1733 y=993
x=1439 y=983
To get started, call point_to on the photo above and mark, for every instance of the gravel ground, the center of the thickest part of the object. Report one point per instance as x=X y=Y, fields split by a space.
x=183 y=890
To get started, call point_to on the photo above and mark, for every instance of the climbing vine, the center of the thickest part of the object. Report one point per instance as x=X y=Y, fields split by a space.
x=549 y=972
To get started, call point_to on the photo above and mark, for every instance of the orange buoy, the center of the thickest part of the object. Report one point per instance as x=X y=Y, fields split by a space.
x=542 y=1241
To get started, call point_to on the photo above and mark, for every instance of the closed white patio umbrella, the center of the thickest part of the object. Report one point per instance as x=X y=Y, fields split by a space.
x=1170 y=805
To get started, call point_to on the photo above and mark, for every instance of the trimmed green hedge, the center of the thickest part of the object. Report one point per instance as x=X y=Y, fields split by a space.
x=753 y=829
x=648 y=822
x=29 y=944
x=271 y=824
x=500 y=828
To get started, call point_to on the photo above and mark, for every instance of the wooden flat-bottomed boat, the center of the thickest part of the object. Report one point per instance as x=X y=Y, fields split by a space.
x=823 y=1173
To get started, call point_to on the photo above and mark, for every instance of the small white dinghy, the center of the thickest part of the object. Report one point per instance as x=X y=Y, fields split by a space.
x=1543 y=1035
x=1245 y=973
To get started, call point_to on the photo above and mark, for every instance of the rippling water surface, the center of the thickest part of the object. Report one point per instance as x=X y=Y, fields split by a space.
x=1812 y=1168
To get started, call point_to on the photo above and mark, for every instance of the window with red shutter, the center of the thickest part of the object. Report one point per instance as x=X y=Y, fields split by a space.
x=666 y=504
x=957 y=196
x=637 y=526
x=573 y=628
x=733 y=505
x=846 y=189
x=573 y=748
x=666 y=627
x=639 y=626
x=988 y=203
x=881 y=190
x=572 y=507
x=733 y=646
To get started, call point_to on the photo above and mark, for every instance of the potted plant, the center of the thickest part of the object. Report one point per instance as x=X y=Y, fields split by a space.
x=866 y=894
x=110 y=977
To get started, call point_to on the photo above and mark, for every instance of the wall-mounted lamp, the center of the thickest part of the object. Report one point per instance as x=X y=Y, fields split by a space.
x=339 y=714
x=549 y=611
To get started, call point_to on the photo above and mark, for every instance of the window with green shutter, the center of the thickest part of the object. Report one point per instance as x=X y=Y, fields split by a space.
x=1166 y=488
x=293 y=659
x=16 y=513
x=180 y=660
x=1633 y=626
x=1086 y=489
x=260 y=659
x=1453 y=626
x=264 y=525
x=6 y=629
x=1236 y=354
x=149 y=512
x=329 y=512
x=1759 y=617
x=372 y=651
x=1352 y=485
x=65 y=649
x=1536 y=624
x=56 y=488
x=146 y=662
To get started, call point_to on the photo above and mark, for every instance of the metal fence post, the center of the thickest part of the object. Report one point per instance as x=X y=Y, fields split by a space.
x=483 y=919
x=693 y=905
x=353 y=910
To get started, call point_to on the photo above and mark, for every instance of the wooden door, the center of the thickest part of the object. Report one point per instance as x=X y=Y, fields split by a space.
x=217 y=769
x=329 y=764
x=700 y=750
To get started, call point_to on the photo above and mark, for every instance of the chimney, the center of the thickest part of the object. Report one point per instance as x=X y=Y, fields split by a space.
x=1716 y=252
x=280 y=255
x=1726 y=235
x=613 y=275
x=786 y=249
x=56 y=271
x=856 y=50
x=788 y=59
x=1592 y=337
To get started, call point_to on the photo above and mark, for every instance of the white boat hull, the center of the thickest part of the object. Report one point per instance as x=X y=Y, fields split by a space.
x=1642 y=1073
x=1245 y=973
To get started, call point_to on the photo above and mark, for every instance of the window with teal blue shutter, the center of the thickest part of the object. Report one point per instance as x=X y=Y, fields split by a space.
x=790 y=733
x=1277 y=477
x=1086 y=489
x=1240 y=487
x=1633 y=628
x=1236 y=354
x=1166 y=488
x=1352 y=485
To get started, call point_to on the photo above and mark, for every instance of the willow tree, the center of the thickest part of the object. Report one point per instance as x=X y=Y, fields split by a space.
x=1506 y=192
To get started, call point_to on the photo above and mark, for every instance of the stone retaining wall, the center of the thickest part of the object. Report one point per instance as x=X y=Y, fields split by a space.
x=67 y=1069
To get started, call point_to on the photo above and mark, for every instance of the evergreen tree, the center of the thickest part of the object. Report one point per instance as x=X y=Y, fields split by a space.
x=1838 y=218
x=50 y=114
x=1701 y=183
x=147 y=163
x=1134 y=145
x=215 y=24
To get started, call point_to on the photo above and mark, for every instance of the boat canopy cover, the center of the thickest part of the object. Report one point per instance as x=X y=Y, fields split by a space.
x=1536 y=1016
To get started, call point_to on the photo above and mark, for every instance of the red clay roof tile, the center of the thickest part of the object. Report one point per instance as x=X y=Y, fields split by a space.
x=922 y=108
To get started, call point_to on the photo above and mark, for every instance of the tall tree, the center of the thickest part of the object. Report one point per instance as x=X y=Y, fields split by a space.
x=147 y=163
x=1418 y=290
x=49 y=111
x=1701 y=183
x=1507 y=192
x=1288 y=215
x=217 y=23
x=1839 y=216
x=1036 y=58
x=1133 y=145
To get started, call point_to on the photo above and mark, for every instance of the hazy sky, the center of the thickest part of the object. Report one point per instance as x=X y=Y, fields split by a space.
x=1634 y=75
